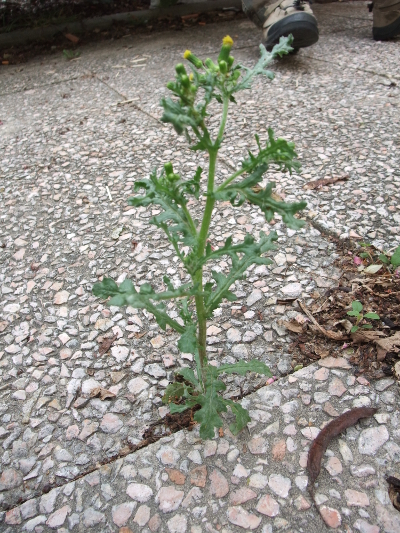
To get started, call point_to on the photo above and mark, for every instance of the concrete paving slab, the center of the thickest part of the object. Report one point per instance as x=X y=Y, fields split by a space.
x=64 y=142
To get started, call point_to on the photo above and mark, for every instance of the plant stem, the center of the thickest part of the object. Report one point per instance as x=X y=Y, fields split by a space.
x=231 y=178
x=202 y=239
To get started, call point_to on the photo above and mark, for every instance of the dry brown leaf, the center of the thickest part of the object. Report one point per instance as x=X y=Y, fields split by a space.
x=104 y=394
x=363 y=335
x=316 y=184
x=381 y=354
x=292 y=326
x=106 y=345
x=346 y=325
x=321 y=442
x=321 y=352
x=390 y=344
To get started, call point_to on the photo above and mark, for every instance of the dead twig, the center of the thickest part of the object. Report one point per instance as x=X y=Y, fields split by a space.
x=326 y=333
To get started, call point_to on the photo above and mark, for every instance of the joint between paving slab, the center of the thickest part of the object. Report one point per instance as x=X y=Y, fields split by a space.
x=382 y=74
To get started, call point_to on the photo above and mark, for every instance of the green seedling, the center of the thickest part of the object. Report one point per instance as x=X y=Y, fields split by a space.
x=195 y=302
x=71 y=54
x=356 y=311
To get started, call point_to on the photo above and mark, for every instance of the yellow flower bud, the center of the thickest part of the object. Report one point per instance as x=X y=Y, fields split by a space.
x=227 y=43
x=193 y=59
x=227 y=40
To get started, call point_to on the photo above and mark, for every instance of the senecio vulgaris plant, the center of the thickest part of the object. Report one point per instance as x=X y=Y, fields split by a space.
x=196 y=301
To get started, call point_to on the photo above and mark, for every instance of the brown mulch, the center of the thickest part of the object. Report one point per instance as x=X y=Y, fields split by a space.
x=323 y=328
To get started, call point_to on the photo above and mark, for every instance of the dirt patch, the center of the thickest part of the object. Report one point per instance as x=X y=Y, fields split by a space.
x=324 y=329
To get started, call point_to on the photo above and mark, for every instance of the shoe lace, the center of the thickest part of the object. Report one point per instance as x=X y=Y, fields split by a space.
x=299 y=4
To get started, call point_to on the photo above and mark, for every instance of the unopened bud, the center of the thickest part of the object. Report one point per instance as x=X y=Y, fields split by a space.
x=210 y=64
x=180 y=69
x=168 y=168
x=230 y=61
x=223 y=67
x=185 y=81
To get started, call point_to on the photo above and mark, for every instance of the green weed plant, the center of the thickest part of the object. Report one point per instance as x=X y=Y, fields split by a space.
x=187 y=110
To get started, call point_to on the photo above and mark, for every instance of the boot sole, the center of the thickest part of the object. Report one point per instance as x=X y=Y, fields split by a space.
x=302 y=26
x=387 y=32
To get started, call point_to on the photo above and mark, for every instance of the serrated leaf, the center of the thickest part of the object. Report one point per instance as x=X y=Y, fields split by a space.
x=250 y=252
x=188 y=375
x=372 y=269
x=242 y=367
x=354 y=329
x=180 y=116
x=395 y=259
x=280 y=49
x=242 y=417
x=357 y=306
x=373 y=316
x=146 y=298
x=107 y=287
x=171 y=197
x=173 y=392
x=276 y=151
x=188 y=341
x=211 y=405
x=179 y=408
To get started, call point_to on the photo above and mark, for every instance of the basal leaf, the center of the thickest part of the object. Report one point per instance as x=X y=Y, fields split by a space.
x=188 y=375
x=179 y=408
x=188 y=341
x=242 y=417
x=173 y=392
x=211 y=406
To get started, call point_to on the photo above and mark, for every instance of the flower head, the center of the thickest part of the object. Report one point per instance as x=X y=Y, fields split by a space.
x=192 y=59
x=227 y=40
x=227 y=43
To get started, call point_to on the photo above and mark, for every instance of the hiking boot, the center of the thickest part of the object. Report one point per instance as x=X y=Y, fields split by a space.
x=290 y=17
x=282 y=18
x=386 y=22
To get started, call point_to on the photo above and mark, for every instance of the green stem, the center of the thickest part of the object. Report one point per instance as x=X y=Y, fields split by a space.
x=223 y=119
x=231 y=178
x=201 y=243
x=189 y=219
